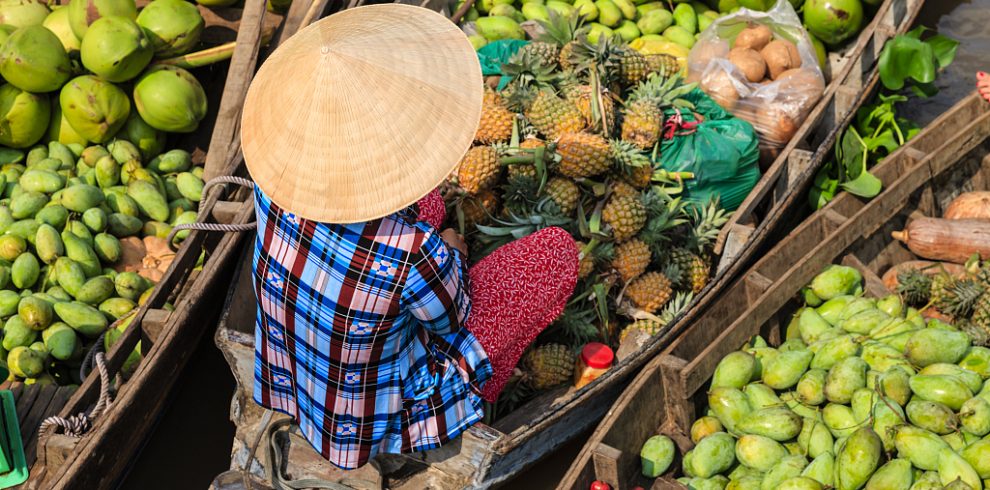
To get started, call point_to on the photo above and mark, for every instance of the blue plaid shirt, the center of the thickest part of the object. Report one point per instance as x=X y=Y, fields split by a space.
x=358 y=334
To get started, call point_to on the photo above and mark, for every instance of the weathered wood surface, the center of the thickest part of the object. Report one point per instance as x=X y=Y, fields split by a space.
x=33 y=404
x=949 y=157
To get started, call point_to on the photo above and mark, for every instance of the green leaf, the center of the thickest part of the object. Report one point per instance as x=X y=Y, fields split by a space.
x=916 y=32
x=924 y=90
x=853 y=154
x=906 y=57
x=866 y=185
x=944 y=49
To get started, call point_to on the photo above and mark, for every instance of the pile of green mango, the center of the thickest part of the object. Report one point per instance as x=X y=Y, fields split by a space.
x=85 y=113
x=863 y=393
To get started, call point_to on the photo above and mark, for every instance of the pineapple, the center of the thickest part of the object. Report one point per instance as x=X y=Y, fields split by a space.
x=581 y=97
x=633 y=66
x=632 y=257
x=583 y=155
x=624 y=190
x=479 y=169
x=479 y=209
x=547 y=52
x=564 y=192
x=708 y=222
x=641 y=124
x=650 y=291
x=496 y=120
x=548 y=366
x=586 y=265
x=651 y=327
x=960 y=298
x=674 y=307
x=526 y=169
x=626 y=215
x=664 y=65
x=693 y=269
x=554 y=116
x=981 y=318
x=562 y=31
x=914 y=286
x=633 y=166
x=937 y=294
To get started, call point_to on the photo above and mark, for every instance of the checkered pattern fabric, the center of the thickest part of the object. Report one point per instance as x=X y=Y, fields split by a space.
x=358 y=334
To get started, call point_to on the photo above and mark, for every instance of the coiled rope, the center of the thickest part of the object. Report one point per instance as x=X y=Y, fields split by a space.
x=78 y=424
x=199 y=225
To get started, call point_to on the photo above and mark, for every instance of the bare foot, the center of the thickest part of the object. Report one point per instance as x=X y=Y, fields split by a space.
x=983 y=84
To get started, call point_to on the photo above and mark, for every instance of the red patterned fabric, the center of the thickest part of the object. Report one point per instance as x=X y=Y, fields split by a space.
x=515 y=293
x=432 y=209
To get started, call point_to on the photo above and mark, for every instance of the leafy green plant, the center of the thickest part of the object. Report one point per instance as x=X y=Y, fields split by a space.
x=908 y=67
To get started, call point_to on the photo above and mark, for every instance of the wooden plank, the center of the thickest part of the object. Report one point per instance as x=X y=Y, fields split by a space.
x=874 y=285
x=152 y=324
x=606 y=459
x=678 y=407
x=31 y=445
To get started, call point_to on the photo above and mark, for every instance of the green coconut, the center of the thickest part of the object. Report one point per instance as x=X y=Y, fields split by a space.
x=33 y=59
x=833 y=21
x=115 y=48
x=94 y=107
x=82 y=13
x=172 y=26
x=58 y=22
x=22 y=13
x=149 y=141
x=23 y=116
x=60 y=130
x=170 y=99
x=5 y=32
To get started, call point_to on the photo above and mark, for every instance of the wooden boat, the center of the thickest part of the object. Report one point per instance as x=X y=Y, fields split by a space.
x=167 y=338
x=489 y=454
x=947 y=158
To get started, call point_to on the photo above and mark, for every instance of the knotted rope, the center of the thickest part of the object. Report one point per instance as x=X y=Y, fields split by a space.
x=78 y=424
x=199 y=225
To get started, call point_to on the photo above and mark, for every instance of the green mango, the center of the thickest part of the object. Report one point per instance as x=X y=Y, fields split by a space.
x=83 y=318
x=11 y=247
x=790 y=401
x=131 y=285
x=107 y=172
x=107 y=248
x=758 y=452
x=787 y=468
x=895 y=383
x=810 y=389
x=609 y=13
x=686 y=19
x=786 y=369
x=117 y=307
x=656 y=455
x=857 y=459
x=947 y=390
x=6 y=218
x=840 y=420
x=60 y=340
x=679 y=35
x=812 y=326
x=81 y=197
x=16 y=333
x=122 y=225
x=887 y=415
x=763 y=357
x=845 y=377
x=729 y=404
x=864 y=322
x=881 y=357
x=25 y=271
x=977 y=455
x=587 y=9
x=95 y=219
x=832 y=309
x=855 y=306
x=48 y=244
x=955 y=440
x=8 y=302
x=25 y=363
x=815 y=438
x=891 y=305
x=927 y=481
x=96 y=290
x=792 y=345
x=777 y=423
x=713 y=455
x=734 y=370
x=932 y=416
x=121 y=203
x=54 y=215
x=78 y=230
x=747 y=482
x=627 y=7
x=627 y=31
x=706 y=19
x=654 y=21
x=151 y=202
x=497 y=28
x=36 y=313
x=59 y=294
x=71 y=275
x=975 y=416
x=743 y=471
x=79 y=251
x=704 y=427
x=952 y=467
x=919 y=446
x=831 y=351
x=536 y=11
x=821 y=469
x=41 y=181
x=862 y=404
x=977 y=360
x=837 y=280
x=972 y=380
x=895 y=475
x=761 y=396
x=27 y=204
x=930 y=346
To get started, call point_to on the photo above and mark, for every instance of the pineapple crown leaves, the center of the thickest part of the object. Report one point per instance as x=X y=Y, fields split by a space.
x=561 y=29
x=962 y=297
x=520 y=193
x=575 y=326
x=628 y=156
x=544 y=213
x=665 y=213
x=708 y=221
x=675 y=307
x=601 y=59
x=663 y=92
x=914 y=286
x=529 y=77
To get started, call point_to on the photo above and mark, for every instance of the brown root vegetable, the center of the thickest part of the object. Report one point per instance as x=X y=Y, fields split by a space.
x=776 y=125
x=926 y=267
x=946 y=239
x=701 y=56
x=718 y=85
x=754 y=37
x=780 y=56
x=749 y=62
x=969 y=205
x=800 y=87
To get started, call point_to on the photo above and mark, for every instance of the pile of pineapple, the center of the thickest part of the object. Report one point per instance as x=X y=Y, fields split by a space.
x=961 y=297
x=573 y=141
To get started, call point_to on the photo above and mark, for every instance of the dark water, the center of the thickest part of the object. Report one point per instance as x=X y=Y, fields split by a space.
x=192 y=441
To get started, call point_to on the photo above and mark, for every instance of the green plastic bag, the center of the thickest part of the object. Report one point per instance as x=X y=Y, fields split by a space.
x=722 y=151
x=494 y=54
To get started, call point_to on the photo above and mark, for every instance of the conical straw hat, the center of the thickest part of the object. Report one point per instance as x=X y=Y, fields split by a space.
x=362 y=113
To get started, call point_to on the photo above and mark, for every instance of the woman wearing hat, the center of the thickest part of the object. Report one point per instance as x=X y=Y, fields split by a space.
x=370 y=331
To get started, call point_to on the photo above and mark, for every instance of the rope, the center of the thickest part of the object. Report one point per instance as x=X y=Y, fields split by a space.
x=199 y=225
x=80 y=423
x=87 y=364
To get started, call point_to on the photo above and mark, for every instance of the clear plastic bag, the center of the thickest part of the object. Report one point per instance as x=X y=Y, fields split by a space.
x=775 y=104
